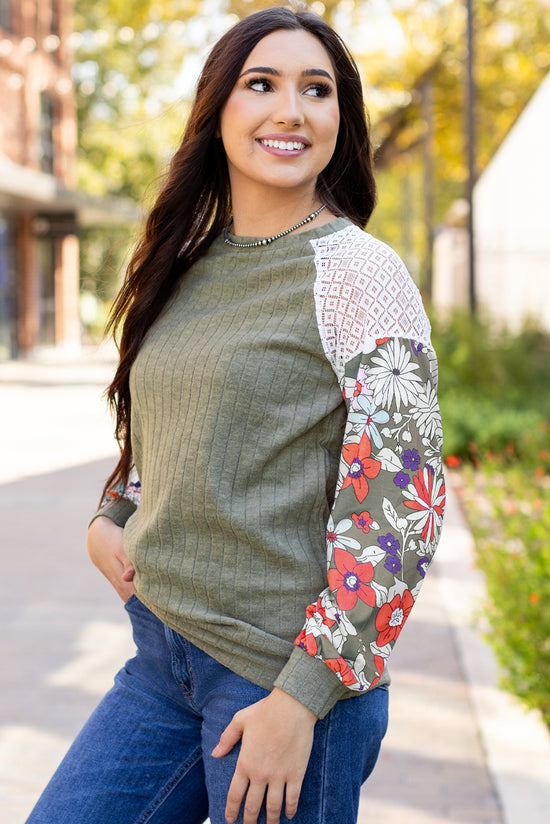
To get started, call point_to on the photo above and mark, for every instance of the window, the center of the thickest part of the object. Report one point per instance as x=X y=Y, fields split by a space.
x=8 y=301
x=5 y=14
x=54 y=20
x=47 y=115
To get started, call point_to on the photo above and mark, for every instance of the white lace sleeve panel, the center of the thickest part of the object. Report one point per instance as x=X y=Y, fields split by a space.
x=363 y=292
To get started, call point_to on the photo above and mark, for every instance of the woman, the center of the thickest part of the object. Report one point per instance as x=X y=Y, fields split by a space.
x=276 y=393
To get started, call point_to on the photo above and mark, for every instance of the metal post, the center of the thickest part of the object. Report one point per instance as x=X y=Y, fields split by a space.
x=428 y=184
x=471 y=148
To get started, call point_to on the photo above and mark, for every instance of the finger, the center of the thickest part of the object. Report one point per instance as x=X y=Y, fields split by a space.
x=125 y=591
x=273 y=803
x=253 y=804
x=229 y=737
x=291 y=798
x=237 y=789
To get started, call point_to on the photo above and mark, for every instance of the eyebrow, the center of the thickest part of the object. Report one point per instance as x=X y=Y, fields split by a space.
x=276 y=73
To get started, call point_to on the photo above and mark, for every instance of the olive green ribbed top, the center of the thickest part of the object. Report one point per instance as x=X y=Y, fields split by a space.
x=240 y=436
x=237 y=423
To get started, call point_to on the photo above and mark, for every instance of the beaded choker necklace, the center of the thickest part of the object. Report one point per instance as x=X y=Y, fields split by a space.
x=267 y=240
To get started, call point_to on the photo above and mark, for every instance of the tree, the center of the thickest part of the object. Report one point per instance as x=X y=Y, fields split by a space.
x=135 y=66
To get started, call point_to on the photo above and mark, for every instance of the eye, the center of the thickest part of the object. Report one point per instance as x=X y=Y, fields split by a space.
x=259 y=84
x=319 y=90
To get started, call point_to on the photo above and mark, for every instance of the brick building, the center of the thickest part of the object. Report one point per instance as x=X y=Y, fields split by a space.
x=40 y=210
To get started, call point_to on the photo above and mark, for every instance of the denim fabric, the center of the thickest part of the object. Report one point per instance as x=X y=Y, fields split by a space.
x=144 y=755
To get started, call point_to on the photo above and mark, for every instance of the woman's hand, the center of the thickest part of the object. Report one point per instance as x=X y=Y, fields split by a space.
x=107 y=553
x=277 y=736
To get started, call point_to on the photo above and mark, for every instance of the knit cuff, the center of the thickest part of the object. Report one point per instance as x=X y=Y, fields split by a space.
x=311 y=682
x=118 y=511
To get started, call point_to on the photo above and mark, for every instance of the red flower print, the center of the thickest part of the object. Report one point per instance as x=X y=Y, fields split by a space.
x=315 y=610
x=339 y=666
x=391 y=617
x=427 y=501
x=358 y=389
x=362 y=521
x=379 y=664
x=349 y=580
x=308 y=642
x=316 y=617
x=361 y=466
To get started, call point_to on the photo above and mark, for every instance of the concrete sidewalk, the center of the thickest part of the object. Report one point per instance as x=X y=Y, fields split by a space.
x=458 y=750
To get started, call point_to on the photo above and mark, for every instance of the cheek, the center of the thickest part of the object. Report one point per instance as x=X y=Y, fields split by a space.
x=331 y=123
x=236 y=125
x=331 y=128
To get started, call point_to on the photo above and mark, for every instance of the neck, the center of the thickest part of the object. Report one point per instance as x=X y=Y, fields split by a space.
x=263 y=217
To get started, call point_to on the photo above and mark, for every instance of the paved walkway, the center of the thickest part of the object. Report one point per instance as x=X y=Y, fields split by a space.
x=458 y=750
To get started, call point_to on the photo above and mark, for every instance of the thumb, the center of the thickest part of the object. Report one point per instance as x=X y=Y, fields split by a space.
x=229 y=737
x=128 y=572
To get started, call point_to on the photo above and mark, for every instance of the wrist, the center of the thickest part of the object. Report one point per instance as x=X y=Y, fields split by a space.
x=292 y=705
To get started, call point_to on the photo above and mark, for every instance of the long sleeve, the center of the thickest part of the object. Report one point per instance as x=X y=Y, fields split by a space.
x=387 y=513
x=122 y=501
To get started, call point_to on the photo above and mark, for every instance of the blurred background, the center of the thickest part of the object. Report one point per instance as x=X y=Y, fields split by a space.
x=93 y=99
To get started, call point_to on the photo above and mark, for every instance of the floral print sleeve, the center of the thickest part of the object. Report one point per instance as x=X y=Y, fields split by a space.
x=120 y=503
x=388 y=509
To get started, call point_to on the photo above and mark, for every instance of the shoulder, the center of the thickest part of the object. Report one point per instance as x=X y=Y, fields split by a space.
x=361 y=255
x=364 y=283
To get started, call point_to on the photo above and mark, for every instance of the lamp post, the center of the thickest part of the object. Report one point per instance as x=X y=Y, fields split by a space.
x=471 y=149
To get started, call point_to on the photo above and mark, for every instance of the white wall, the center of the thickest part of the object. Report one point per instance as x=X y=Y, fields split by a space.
x=512 y=220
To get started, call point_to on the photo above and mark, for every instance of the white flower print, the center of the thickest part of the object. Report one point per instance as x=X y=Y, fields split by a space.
x=426 y=413
x=355 y=387
x=394 y=377
x=368 y=416
x=345 y=626
x=336 y=538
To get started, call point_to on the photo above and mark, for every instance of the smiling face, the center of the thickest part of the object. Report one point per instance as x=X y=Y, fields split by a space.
x=280 y=123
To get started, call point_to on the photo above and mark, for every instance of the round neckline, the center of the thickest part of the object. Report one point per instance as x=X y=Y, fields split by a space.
x=314 y=231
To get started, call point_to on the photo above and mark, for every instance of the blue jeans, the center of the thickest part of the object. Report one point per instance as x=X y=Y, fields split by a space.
x=144 y=755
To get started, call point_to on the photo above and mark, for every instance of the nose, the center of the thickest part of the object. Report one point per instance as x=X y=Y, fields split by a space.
x=288 y=109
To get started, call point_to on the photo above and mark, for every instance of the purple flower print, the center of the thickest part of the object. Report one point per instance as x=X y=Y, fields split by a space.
x=411 y=459
x=389 y=543
x=392 y=563
x=421 y=566
x=401 y=480
x=416 y=347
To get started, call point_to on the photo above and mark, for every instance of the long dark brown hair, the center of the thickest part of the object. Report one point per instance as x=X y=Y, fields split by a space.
x=195 y=200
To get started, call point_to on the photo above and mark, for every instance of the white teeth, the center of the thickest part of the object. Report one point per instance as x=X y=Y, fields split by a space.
x=287 y=145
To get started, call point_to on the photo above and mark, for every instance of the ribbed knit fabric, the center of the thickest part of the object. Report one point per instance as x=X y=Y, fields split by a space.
x=237 y=423
x=237 y=428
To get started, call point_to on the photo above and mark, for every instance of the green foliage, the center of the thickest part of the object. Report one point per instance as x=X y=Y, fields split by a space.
x=130 y=101
x=494 y=391
x=509 y=511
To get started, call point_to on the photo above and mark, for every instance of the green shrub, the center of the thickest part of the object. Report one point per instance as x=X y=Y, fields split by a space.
x=475 y=426
x=494 y=390
x=509 y=511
